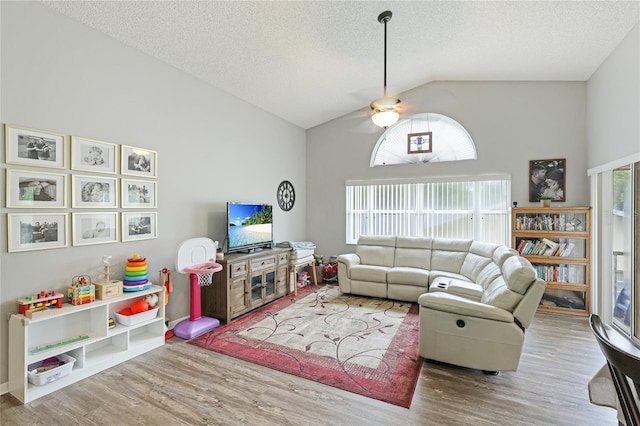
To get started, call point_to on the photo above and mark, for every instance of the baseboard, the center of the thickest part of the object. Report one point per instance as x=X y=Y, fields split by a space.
x=173 y=323
x=4 y=388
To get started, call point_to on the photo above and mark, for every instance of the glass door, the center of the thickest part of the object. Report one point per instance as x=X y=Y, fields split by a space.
x=623 y=239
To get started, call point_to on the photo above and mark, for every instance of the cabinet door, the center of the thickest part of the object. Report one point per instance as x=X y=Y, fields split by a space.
x=281 y=282
x=238 y=295
x=256 y=296
x=269 y=282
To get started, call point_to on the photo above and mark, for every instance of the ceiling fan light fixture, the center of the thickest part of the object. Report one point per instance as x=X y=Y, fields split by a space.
x=386 y=109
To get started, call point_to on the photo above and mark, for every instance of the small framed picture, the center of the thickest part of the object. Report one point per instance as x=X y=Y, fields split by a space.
x=94 y=191
x=419 y=143
x=547 y=179
x=138 y=161
x=93 y=156
x=35 y=189
x=36 y=231
x=138 y=193
x=139 y=226
x=34 y=147
x=94 y=228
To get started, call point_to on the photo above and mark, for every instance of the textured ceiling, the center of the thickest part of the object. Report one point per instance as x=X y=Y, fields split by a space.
x=311 y=61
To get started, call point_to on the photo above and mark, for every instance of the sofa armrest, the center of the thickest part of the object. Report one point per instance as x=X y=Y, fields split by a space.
x=348 y=261
x=446 y=302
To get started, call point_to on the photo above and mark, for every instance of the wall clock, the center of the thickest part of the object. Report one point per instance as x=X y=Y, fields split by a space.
x=286 y=195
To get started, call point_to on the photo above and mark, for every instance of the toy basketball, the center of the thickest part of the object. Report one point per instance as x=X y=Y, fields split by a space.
x=139 y=306
x=126 y=312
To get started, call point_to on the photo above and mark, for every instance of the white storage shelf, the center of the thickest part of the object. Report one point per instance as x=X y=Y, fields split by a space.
x=86 y=335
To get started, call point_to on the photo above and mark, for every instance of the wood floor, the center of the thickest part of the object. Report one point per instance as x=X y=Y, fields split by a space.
x=180 y=384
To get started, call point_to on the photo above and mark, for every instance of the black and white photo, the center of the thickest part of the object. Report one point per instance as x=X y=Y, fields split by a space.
x=95 y=228
x=94 y=191
x=34 y=147
x=547 y=180
x=93 y=155
x=139 y=161
x=138 y=194
x=139 y=226
x=36 y=231
x=34 y=189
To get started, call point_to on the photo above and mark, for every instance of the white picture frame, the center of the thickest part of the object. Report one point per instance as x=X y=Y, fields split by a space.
x=94 y=191
x=33 y=189
x=27 y=231
x=138 y=193
x=138 y=226
x=138 y=161
x=94 y=228
x=93 y=155
x=35 y=147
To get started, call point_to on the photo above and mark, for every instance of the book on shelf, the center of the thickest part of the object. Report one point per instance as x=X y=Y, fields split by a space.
x=568 y=250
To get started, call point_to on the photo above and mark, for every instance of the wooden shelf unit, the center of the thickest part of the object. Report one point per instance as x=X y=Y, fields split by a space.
x=246 y=282
x=567 y=272
x=99 y=348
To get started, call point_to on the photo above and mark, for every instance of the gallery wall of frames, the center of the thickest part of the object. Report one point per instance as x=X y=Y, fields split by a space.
x=70 y=190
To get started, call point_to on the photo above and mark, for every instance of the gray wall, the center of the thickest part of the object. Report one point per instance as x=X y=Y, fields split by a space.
x=511 y=123
x=60 y=76
x=613 y=104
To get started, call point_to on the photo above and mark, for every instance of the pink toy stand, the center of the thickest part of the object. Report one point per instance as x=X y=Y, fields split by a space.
x=195 y=257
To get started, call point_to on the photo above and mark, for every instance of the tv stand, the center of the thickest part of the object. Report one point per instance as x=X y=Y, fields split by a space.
x=246 y=282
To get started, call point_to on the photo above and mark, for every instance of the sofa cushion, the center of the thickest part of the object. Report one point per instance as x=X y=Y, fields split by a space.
x=413 y=252
x=408 y=276
x=434 y=275
x=375 y=250
x=498 y=294
x=450 y=303
x=518 y=273
x=502 y=253
x=488 y=274
x=371 y=273
x=449 y=255
x=473 y=265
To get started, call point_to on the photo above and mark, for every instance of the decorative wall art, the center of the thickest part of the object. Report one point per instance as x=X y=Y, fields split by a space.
x=93 y=155
x=139 y=161
x=138 y=193
x=94 y=228
x=547 y=180
x=36 y=231
x=94 y=191
x=139 y=226
x=36 y=189
x=419 y=143
x=34 y=147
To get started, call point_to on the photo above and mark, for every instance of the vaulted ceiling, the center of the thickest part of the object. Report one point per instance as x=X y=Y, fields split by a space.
x=311 y=61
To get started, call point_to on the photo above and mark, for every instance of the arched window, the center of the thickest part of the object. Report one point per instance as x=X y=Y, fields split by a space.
x=449 y=141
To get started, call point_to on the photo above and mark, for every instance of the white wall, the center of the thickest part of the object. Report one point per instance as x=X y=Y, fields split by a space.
x=511 y=123
x=61 y=76
x=613 y=104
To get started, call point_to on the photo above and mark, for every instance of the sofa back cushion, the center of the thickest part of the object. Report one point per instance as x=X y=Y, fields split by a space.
x=448 y=255
x=518 y=274
x=376 y=250
x=413 y=252
x=502 y=253
x=498 y=294
x=479 y=256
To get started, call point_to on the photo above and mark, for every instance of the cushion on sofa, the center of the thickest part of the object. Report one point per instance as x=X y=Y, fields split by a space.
x=498 y=294
x=464 y=288
x=372 y=273
x=473 y=265
x=450 y=303
x=409 y=276
x=518 y=273
x=449 y=255
x=414 y=252
x=375 y=250
x=502 y=253
x=488 y=274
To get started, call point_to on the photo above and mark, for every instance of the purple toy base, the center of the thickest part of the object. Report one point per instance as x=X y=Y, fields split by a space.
x=188 y=329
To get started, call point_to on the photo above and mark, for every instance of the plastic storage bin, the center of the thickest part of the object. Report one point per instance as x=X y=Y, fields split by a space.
x=43 y=377
x=130 y=320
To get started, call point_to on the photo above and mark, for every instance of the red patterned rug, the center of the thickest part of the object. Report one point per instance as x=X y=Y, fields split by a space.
x=363 y=345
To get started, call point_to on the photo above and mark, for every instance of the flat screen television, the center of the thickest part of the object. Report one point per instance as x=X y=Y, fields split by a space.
x=249 y=226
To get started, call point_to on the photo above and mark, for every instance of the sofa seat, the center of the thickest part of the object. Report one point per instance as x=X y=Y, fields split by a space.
x=476 y=299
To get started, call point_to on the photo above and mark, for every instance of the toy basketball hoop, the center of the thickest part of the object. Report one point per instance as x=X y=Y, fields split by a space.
x=195 y=257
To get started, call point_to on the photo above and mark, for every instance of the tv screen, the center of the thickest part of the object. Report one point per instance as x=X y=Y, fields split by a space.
x=249 y=226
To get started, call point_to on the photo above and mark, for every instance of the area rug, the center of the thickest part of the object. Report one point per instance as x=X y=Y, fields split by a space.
x=363 y=345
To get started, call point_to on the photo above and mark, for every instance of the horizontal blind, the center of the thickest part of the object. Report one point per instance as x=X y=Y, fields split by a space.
x=476 y=209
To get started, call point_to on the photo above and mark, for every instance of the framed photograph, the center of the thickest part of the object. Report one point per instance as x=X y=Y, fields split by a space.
x=35 y=189
x=34 y=147
x=138 y=193
x=139 y=226
x=93 y=156
x=547 y=179
x=138 y=161
x=94 y=228
x=94 y=191
x=419 y=143
x=36 y=231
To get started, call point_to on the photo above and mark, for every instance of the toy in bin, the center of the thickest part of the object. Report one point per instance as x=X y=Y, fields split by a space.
x=81 y=291
x=136 y=274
